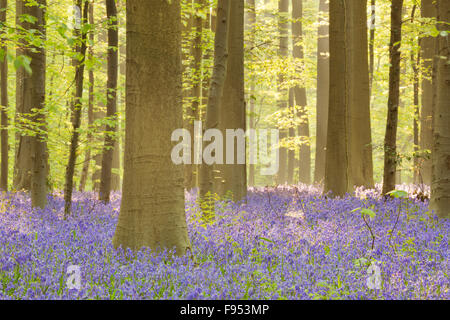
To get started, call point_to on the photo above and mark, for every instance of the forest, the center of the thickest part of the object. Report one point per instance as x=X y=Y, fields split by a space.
x=224 y=150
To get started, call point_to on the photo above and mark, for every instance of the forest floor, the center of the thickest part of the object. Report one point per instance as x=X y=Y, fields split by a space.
x=284 y=243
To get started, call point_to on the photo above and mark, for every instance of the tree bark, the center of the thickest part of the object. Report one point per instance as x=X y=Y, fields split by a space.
x=427 y=44
x=4 y=106
x=232 y=111
x=23 y=165
x=390 y=141
x=359 y=126
x=336 y=167
x=415 y=67
x=323 y=88
x=251 y=21
x=76 y=107
x=87 y=157
x=372 y=43
x=300 y=96
x=440 y=188
x=217 y=83
x=283 y=9
x=111 y=101
x=152 y=213
x=37 y=102
x=291 y=152
x=193 y=112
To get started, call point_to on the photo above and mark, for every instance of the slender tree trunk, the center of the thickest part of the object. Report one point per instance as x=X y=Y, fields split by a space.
x=390 y=141
x=323 y=88
x=251 y=21
x=152 y=211
x=111 y=101
x=115 y=172
x=427 y=44
x=440 y=188
x=99 y=113
x=208 y=175
x=283 y=9
x=196 y=92
x=87 y=157
x=232 y=111
x=291 y=151
x=37 y=102
x=336 y=168
x=76 y=107
x=23 y=165
x=300 y=96
x=372 y=42
x=414 y=64
x=4 y=106
x=359 y=126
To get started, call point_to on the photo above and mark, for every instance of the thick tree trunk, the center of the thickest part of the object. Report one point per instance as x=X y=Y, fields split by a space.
x=152 y=211
x=427 y=44
x=36 y=90
x=232 y=111
x=87 y=156
x=300 y=96
x=4 y=105
x=336 y=168
x=323 y=89
x=283 y=9
x=208 y=175
x=76 y=107
x=440 y=188
x=359 y=126
x=390 y=141
x=111 y=101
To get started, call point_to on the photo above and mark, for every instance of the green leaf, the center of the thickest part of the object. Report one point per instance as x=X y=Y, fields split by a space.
x=265 y=239
x=398 y=194
x=368 y=212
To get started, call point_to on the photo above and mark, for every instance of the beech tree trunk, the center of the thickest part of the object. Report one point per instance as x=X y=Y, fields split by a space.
x=36 y=99
x=372 y=42
x=427 y=44
x=283 y=9
x=87 y=157
x=152 y=211
x=300 y=96
x=233 y=177
x=208 y=175
x=23 y=165
x=4 y=105
x=440 y=188
x=323 y=89
x=390 y=141
x=251 y=21
x=111 y=101
x=359 y=126
x=415 y=67
x=291 y=152
x=76 y=108
x=193 y=112
x=336 y=167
